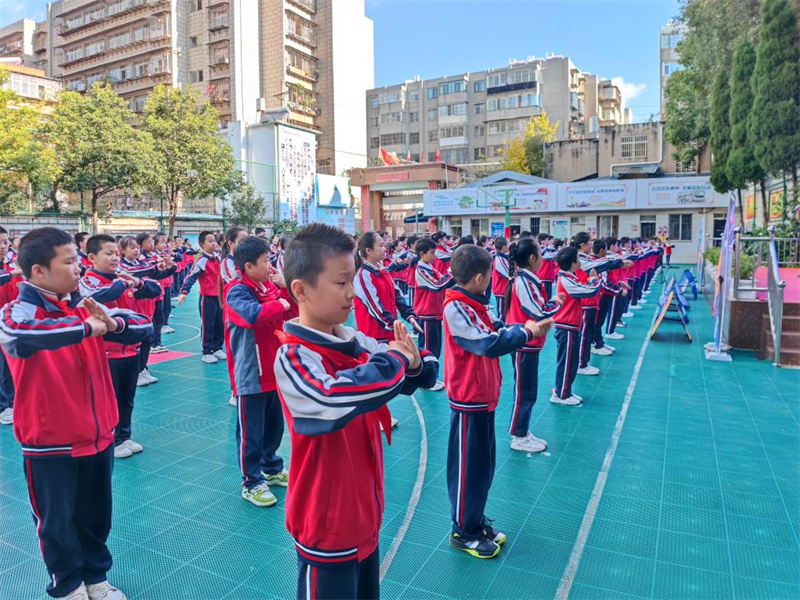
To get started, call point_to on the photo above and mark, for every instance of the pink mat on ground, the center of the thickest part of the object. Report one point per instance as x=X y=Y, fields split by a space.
x=790 y=275
x=169 y=355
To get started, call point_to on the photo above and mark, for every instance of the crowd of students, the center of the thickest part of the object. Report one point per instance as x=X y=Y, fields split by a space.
x=82 y=314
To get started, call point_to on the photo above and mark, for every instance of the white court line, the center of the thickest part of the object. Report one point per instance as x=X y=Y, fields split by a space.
x=600 y=483
x=416 y=492
x=190 y=339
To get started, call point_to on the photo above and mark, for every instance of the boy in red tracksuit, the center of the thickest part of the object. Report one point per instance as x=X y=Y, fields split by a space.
x=334 y=384
x=429 y=299
x=473 y=343
x=500 y=275
x=65 y=410
x=9 y=280
x=256 y=305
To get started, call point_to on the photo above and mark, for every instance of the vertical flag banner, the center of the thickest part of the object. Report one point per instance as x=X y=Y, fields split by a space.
x=722 y=296
x=701 y=237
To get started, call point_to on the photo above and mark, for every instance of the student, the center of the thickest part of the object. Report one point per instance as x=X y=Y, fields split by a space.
x=473 y=343
x=256 y=305
x=280 y=253
x=526 y=299
x=608 y=290
x=443 y=252
x=115 y=290
x=616 y=302
x=227 y=266
x=500 y=275
x=547 y=271
x=668 y=251
x=80 y=242
x=334 y=383
x=429 y=300
x=161 y=268
x=411 y=272
x=166 y=255
x=568 y=322
x=206 y=271
x=65 y=411
x=9 y=274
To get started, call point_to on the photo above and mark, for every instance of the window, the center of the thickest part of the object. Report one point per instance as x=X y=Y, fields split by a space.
x=140 y=35
x=388 y=97
x=670 y=40
x=450 y=110
x=140 y=70
x=634 y=146
x=648 y=225
x=521 y=76
x=195 y=76
x=93 y=49
x=413 y=137
x=453 y=131
x=497 y=79
x=195 y=5
x=692 y=166
x=479 y=131
x=479 y=153
x=515 y=126
x=680 y=227
x=515 y=101
x=452 y=87
x=670 y=68
x=393 y=117
x=479 y=108
x=432 y=114
x=372 y=101
x=607 y=226
x=455 y=156
x=413 y=117
x=413 y=96
x=496 y=150
x=536 y=225
x=433 y=136
x=479 y=86
x=431 y=156
x=193 y=42
x=389 y=139
x=433 y=93
x=373 y=121
x=374 y=142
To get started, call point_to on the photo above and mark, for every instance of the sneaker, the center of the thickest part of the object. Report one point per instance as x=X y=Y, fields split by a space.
x=483 y=547
x=615 y=336
x=122 y=451
x=220 y=355
x=533 y=437
x=149 y=377
x=158 y=349
x=167 y=329
x=635 y=307
x=7 y=416
x=437 y=387
x=79 y=593
x=610 y=348
x=141 y=380
x=498 y=537
x=395 y=423
x=259 y=495
x=578 y=398
x=642 y=301
x=232 y=400
x=627 y=314
x=647 y=292
x=571 y=401
x=209 y=359
x=134 y=447
x=526 y=444
x=104 y=591
x=281 y=478
x=588 y=370
x=601 y=351
x=622 y=324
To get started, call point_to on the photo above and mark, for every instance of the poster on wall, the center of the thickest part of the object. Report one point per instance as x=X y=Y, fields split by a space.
x=497 y=229
x=297 y=165
x=598 y=196
x=776 y=205
x=679 y=193
x=559 y=228
x=749 y=207
x=489 y=200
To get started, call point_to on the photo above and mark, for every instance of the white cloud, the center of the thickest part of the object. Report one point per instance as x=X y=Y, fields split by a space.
x=629 y=90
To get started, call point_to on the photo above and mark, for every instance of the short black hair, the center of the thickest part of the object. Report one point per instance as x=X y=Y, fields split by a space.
x=500 y=243
x=310 y=248
x=566 y=257
x=580 y=238
x=598 y=245
x=424 y=245
x=249 y=250
x=525 y=234
x=95 y=243
x=39 y=247
x=469 y=260
x=201 y=238
x=142 y=237
x=80 y=236
x=438 y=235
x=260 y=230
x=3 y=230
x=159 y=236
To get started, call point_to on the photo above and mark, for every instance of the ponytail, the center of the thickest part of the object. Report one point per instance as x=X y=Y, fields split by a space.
x=512 y=273
x=519 y=255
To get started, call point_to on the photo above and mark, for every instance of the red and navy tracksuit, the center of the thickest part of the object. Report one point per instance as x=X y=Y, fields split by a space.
x=334 y=390
x=206 y=270
x=500 y=277
x=253 y=313
x=123 y=359
x=609 y=305
x=575 y=287
x=145 y=305
x=150 y=259
x=528 y=301
x=86 y=264
x=429 y=305
x=443 y=256
x=168 y=283
x=591 y=305
x=8 y=292
x=473 y=341
x=277 y=260
x=547 y=272
x=377 y=303
x=411 y=279
x=64 y=417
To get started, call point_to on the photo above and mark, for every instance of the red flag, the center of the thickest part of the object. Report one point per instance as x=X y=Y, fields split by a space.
x=438 y=156
x=408 y=156
x=421 y=156
x=386 y=159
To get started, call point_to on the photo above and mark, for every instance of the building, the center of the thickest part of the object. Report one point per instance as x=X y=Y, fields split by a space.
x=669 y=35
x=469 y=117
x=31 y=84
x=16 y=41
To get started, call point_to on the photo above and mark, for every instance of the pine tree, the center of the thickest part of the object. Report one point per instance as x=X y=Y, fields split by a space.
x=720 y=132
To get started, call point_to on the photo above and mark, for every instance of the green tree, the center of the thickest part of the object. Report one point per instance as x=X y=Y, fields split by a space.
x=96 y=147
x=526 y=154
x=247 y=207
x=687 y=109
x=742 y=165
x=720 y=132
x=775 y=119
x=191 y=159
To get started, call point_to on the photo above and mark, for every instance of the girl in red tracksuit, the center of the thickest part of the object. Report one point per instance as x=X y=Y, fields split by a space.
x=526 y=299
x=443 y=253
x=500 y=275
x=377 y=299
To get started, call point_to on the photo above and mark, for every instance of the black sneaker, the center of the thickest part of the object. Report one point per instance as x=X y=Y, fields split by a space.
x=483 y=547
x=498 y=537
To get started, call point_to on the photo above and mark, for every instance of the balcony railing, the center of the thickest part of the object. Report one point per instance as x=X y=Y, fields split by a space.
x=307 y=4
x=302 y=73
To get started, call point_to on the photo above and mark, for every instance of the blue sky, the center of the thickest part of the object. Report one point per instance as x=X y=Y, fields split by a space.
x=431 y=38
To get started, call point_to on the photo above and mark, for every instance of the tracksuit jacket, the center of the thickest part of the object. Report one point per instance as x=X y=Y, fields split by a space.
x=377 y=302
x=334 y=390
x=429 y=297
x=500 y=275
x=529 y=301
x=576 y=288
x=443 y=256
x=206 y=271
x=65 y=403
x=228 y=270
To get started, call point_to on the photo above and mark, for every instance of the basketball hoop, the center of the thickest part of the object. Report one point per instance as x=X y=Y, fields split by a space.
x=493 y=198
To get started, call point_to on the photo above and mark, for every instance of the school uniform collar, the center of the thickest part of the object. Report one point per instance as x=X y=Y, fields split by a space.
x=425 y=266
x=343 y=339
x=370 y=267
x=503 y=254
x=33 y=294
x=530 y=275
x=107 y=276
x=459 y=291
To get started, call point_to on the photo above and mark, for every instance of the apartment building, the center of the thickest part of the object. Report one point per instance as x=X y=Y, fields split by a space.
x=669 y=35
x=469 y=117
x=31 y=85
x=16 y=42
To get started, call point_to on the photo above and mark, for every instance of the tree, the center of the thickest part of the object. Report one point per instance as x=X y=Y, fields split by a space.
x=247 y=207
x=96 y=147
x=742 y=165
x=526 y=154
x=687 y=124
x=775 y=118
x=720 y=132
x=191 y=159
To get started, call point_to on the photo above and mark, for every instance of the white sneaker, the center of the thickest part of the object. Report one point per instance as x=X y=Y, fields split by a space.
x=134 y=447
x=530 y=436
x=395 y=423
x=627 y=315
x=142 y=380
x=588 y=370
x=260 y=495
x=571 y=401
x=7 y=416
x=601 y=351
x=209 y=359
x=79 y=593
x=220 y=354
x=615 y=336
x=526 y=444
x=122 y=451
x=647 y=292
x=642 y=301
x=149 y=377
x=610 y=348
x=437 y=387
x=167 y=329
x=104 y=591
x=232 y=400
x=578 y=398
x=636 y=307
x=158 y=349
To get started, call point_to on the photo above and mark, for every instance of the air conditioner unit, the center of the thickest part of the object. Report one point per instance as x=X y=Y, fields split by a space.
x=261 y=104
x=223 y=60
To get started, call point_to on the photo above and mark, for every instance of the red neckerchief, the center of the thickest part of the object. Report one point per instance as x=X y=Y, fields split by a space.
x=265 y=292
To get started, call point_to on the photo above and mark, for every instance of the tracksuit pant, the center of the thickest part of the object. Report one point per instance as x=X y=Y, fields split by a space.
x=567 y=359
x=259 y=429
x=668 y=257
x=326 y=580
x=548 y=287
x=618 y=304
x=606 y=302
x=649 y=278
x=636 y=292
x=144 y=355
x=167 y=304
x=500 y=301
x=526 y=382
x=158 y=323
x=211 y=324
x=412 y=289
x=124 y=372
x=588 y=322
x=6 y=385
x=431 y=339
x=470 y=469
x=71 y=503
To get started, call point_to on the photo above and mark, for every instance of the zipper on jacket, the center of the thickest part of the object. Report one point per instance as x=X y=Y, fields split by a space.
x=96 y=422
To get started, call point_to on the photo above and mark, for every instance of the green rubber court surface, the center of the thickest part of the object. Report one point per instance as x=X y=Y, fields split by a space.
x=695 y=493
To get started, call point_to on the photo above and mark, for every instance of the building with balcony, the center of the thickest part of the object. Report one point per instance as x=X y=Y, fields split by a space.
x=16 y=42
x=669 y=36
x=31 y=85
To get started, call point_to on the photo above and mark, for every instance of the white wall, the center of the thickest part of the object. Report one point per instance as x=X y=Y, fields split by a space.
x=245 y=60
